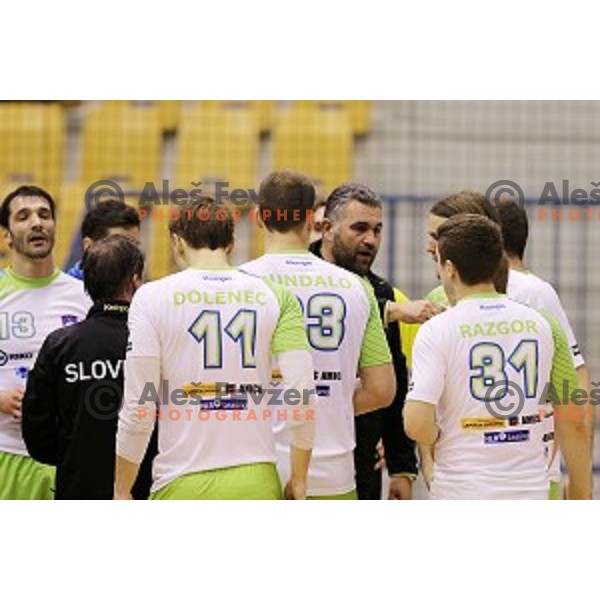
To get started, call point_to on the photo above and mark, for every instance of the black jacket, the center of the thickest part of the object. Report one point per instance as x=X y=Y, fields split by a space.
x=386 y=424
x=72 y=401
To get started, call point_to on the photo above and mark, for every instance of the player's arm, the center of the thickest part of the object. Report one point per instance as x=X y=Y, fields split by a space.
x=411 y=312
x=419 y=421
x=428 y=378
x=40 y=409
x=571 y=430
x=377 y=386
x=290 y=345
x=426 y=462
x=136 y=419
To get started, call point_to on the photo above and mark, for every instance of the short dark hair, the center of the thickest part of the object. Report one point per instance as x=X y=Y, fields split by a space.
x=344 y=194
x=287 y=191
x=23 y=191
x=107 y=214
x=108 y=266
x=465 y=202
x=515 y=226
x=203 y=223
x=474 y=245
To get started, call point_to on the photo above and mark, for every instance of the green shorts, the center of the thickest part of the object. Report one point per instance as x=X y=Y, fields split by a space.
x=257 y=481
x=352 y=495
x=22 y=478
x=555 y=491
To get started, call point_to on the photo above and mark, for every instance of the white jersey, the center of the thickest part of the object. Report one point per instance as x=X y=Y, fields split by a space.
x=30 y=309
x=489 y=346
x=213 y=334
x=345 y=333
x=529 y=289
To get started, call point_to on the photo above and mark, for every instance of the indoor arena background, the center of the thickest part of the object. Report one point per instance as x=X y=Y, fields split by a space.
x=411 y=152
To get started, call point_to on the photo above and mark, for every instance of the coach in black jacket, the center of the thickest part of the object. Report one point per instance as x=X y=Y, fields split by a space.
x=351 y=230
x=74 y=392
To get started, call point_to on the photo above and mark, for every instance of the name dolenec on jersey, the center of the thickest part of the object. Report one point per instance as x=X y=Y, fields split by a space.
x=30 y=309
x=345 y=333
x=214 y=333
x=471 y=361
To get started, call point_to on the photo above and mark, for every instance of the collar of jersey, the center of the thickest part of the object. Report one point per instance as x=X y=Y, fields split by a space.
x=31 y=282
x=482 y=295
x=230 y=268
x=290 y=251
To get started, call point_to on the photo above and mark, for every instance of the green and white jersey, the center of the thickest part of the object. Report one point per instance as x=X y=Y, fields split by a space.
x=345 y=333
x=530 y=289
x=214 y=334
x=30 y=309
x=490 y=347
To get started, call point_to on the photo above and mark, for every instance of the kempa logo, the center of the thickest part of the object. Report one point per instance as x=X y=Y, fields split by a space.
x=5 y=358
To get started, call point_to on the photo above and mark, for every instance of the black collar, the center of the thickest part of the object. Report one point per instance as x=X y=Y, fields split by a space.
x=116 y=309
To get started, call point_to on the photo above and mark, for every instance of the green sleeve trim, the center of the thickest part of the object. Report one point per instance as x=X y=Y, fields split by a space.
x=374 y=349
x=438 y=295
x=290 y=332
x=563 y=377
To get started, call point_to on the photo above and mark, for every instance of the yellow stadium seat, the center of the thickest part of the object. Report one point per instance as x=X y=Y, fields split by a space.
x=218 y=142
x=122 y=142
x=170 y=114
x=359 y=111
x=32 y=140
x=317 y=140
x=70 y=208
x=159 y=261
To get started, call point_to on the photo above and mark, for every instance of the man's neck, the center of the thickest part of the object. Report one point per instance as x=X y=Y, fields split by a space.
x=32 y=268
x=462 y=290
x=516 y=263
x=207 y=259
x=286 y=242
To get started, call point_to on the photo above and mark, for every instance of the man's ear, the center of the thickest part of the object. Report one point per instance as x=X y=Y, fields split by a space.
x=136 y=282
x=326 y=225
x=6 y=234
x=86 y=242
x=229 y=248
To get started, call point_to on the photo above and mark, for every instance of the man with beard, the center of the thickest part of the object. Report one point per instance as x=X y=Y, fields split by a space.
x=35 y=299
x=351 y=238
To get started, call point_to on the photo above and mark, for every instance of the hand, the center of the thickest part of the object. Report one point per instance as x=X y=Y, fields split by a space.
x=11 y=401
x=400 y=488
x=295 y=490
x=416 y=311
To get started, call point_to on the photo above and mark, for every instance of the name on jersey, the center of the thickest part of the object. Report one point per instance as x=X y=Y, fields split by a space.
x=324 y=281
x=98 y=369
x=494 y=328
x=228 y=297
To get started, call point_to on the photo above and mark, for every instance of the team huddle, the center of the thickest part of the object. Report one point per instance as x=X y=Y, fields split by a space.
x=287 y=376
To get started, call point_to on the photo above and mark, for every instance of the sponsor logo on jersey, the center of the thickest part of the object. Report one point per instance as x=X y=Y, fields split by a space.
x=299 y=263
x=506 y=437
x=69 y=320
x=480 y=423
x=217 y=277
x=524 y=420
x=6 y=358
x=323 y=391
x=22 y=372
